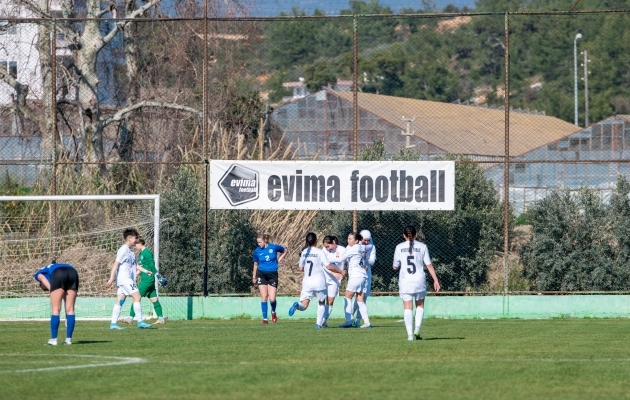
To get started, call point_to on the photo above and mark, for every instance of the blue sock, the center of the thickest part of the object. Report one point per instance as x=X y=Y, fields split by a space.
x=54 y=326
x=263 y=305
x=273 y=306
x=70 y=328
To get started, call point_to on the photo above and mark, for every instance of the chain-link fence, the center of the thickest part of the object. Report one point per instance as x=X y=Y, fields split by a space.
x=128 y=101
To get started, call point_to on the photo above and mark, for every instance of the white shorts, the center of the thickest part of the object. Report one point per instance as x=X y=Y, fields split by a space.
x=127 y=289
x=411 y=296
x=332 y=288
x=308 y=295
x=368 y=291
x=357 y=285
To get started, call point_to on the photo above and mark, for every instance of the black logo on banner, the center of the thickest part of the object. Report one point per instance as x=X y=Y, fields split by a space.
x=239 y=185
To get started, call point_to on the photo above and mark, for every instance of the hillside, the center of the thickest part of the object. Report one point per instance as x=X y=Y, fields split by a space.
x=462 y=57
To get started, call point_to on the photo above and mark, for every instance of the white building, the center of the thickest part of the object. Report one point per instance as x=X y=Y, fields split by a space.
x=18 y=52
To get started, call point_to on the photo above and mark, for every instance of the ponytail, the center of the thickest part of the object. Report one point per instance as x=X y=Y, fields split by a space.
x=410 y=234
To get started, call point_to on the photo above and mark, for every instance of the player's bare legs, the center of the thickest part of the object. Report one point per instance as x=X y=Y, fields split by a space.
x=55 y=300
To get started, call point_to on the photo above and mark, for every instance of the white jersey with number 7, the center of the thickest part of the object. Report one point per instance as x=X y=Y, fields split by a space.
x=411 y=278
x=314 y=262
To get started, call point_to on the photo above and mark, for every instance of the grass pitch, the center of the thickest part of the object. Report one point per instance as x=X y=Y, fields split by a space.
x=242 y=359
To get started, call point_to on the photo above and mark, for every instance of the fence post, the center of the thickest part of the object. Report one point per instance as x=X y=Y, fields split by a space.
x=355 y=104
x=204 y=130
x=53 y=134
x=506 y=166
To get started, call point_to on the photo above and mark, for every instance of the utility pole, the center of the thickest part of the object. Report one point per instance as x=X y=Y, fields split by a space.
x=585 y=79
x=408 y=133
x=575 y=79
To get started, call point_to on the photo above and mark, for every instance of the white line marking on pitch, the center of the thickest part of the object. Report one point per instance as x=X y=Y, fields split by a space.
x=529 y=360
x=114 y=361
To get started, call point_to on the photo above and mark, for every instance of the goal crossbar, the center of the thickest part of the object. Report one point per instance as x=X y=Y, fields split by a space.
x=154 y=197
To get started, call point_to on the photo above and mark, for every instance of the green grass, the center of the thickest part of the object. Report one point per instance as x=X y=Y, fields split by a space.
x=240 y=359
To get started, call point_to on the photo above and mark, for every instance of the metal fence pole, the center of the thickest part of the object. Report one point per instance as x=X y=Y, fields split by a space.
x=506 y=161
x=204 y=148
x=53 y=137
x=355 y=104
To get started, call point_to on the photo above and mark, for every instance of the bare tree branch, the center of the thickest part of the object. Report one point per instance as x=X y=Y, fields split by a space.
x=146 y=104
x=31 y=6
x=21 y=93
x=120 y=25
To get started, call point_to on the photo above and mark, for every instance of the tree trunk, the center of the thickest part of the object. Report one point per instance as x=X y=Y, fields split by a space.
x=133 y=96
x=45 y=63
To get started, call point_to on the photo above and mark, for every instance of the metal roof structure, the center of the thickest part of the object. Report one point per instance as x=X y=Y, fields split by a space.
x=461 y=129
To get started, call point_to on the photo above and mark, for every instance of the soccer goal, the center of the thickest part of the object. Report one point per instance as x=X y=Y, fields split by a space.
x=83 y=230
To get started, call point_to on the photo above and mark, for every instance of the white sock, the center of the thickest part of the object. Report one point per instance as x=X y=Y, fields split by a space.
x=349 y=303
x=408 y=321
x=321 y=311
x=419 y=315
x=301 y=307
x=364 y=312
x=138 y=309
x=328 y=312
x=116 y=313
x=357 y=309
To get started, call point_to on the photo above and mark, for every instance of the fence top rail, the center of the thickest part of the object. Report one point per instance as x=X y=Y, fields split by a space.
x=304 y=17
x=82 y=197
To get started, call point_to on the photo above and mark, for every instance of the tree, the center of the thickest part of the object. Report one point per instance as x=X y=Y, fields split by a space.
x=127 y=50
x=579 y=242
x=181 y=237
x=462 y=243
x=229 y=235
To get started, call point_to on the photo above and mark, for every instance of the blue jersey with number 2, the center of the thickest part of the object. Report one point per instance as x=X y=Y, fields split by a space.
x=267 y=258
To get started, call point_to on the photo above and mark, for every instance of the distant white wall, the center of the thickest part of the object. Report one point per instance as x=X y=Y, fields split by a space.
x=18 y=50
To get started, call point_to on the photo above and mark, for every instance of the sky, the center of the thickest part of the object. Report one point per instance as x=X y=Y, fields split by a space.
x=269 y=8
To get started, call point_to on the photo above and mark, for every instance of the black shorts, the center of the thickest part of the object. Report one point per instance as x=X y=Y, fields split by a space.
x=267 y=278
x=64 y=278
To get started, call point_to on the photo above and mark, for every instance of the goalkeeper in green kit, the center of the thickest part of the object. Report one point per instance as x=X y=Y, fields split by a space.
x=146 y=286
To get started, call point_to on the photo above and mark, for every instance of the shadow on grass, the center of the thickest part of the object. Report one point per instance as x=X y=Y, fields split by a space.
x=90 y=341
x=444 y=338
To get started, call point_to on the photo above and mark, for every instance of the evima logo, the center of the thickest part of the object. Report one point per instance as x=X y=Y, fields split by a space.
x=239 y=185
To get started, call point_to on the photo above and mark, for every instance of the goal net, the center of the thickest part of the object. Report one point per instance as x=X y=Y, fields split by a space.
x=83 y=231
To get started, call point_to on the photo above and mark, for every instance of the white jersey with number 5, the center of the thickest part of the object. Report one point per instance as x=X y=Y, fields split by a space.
x=314 y=262
x=126 y=273
x=411 y=278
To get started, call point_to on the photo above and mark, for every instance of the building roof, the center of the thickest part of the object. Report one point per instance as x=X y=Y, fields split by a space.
x=460 y=129
x=293 y=84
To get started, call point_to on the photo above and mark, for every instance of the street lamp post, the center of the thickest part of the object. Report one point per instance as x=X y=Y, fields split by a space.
x=578 y=36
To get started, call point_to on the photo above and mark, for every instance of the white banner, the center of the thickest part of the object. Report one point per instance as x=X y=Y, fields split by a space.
x=332 y=185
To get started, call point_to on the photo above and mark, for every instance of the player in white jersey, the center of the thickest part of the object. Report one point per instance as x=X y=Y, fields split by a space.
x=313 y=262
x=333 y=253
x=369 y=258
x=357 y=281
x=124 y=272
x=410 y=257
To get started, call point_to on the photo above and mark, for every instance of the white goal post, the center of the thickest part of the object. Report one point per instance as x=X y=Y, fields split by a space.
x=81 y=230
x=154 y=197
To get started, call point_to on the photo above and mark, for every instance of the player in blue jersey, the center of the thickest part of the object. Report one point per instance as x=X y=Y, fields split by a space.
x=62 y=281
x=265 y=273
